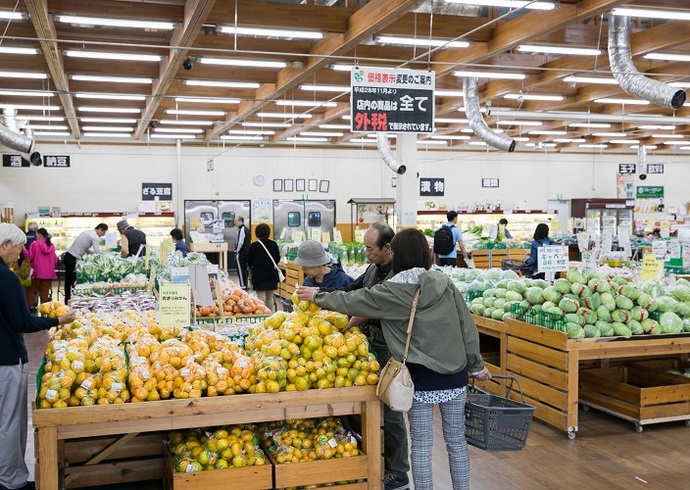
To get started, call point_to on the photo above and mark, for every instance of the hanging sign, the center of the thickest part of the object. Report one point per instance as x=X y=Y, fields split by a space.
x=14 y=161
x=489 y=182
x=392 y=100
x=56 y=161
x=156 y=192
x=650 y=192
x=655 y=168
x=431 y=187
x=627 y=168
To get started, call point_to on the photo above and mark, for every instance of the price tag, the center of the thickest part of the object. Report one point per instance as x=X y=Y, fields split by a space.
x=606 y=240
x=686 y=256
x=337 y=236
x=174 y=305
x=673 y=249
x=651 y=268
x=624 y=239
x=283 y=232
x=325 y=237
x=589 y=264
x=359 y=235
x=493 y=231
x=212 y=269
x=583 y=242
x=316 y=234
x=552 y=258
x=299 y=236
x=179 y=275
x=659 y=249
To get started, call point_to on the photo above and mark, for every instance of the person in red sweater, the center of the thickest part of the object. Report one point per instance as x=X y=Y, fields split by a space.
x=41 y=255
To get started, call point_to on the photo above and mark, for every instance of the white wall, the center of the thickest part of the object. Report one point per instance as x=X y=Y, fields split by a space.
x=108 y=178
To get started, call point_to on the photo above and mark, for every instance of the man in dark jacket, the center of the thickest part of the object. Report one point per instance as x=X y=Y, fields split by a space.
x=132 y=241
x=15 y=321
x=242 y=242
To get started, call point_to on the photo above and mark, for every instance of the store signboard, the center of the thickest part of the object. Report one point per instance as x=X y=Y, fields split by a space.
x=14 y=161
x=552 y=258
x=156 y=191
x=650 y=192
x=627 y=168
x=392 y=100
x=56 y=161
x=489 y=182
x=655 y=168
x=431 y=186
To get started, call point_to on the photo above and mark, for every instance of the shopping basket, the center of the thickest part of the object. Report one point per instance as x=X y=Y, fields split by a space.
x=496 y=423
x=515 y=265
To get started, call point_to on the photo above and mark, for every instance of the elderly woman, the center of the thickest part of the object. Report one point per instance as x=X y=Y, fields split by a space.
x=318 y=269
x=444 y=348
x=15 y=321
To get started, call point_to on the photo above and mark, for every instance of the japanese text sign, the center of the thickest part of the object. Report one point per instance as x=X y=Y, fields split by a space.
x=156 y=192
x=174 y=305
x=431 y=187
x=552 y=258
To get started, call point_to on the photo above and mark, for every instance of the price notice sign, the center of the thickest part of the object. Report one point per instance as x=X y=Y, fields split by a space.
x=392 y=100
x=651 y=268
x=174 y=305
x=552 y=258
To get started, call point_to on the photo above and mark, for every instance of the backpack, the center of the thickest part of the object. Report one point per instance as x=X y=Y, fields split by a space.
x=443 y=240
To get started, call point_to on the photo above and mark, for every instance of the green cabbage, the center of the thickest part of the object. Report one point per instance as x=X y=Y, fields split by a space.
x=635 y=327
x=575 y=331
x=534 y=295
x=593 y=302
x=599 y=285
x=621 y=316
x=605 y=328
x=650 y=326
x=513 y=296
x=623 y=302
x=608 y=301
x=638 y=313
x=603 y=313
x=574 y=275
x=621 y=330
x=551 y=294
x=629 y=291
x=645 y=301
x=670 y=323
x=667 y=303
x=569 y=305
x=681 y=293
x=562 y=286
x=591 y=332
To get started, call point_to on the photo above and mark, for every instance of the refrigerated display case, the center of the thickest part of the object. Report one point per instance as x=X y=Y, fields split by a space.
x=310 y=217
x=604 y=214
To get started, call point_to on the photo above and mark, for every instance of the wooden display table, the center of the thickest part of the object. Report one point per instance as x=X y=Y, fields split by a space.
x=54 y=426
x=547 y=365
x=293 y=275
x=220 y=248
x=492 y=342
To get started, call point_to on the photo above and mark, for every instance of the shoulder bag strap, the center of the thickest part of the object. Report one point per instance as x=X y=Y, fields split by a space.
x=275 y=266
x=409 y=325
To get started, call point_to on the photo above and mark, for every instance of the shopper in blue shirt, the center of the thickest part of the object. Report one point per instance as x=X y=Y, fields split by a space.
x=178 y=240
x=541 y=238
x=452 y=258
x=318 y=269
x=506 y=233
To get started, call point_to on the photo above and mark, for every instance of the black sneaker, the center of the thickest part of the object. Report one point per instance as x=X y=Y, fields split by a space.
x=395 y=481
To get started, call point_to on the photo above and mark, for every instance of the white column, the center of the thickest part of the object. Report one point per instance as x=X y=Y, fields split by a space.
x=178 y=205
x=408 y=183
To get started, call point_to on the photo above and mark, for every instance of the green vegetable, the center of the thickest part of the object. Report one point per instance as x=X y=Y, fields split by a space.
x=621 y=329
x=569 y=305
x=603 y=313
x=650 y=326
x=635 y=327
x=621 y=316
x=574 y=275
x=623 y=302
x=562 y=286
x=574 y=331
x=608 y=301
x=670 y=323
x=591 y=332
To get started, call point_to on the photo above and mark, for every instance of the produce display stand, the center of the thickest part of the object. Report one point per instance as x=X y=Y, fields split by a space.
x=492 y=341
x=54 y=427
x=293 y=275
x=220 y=248
x=548 y=364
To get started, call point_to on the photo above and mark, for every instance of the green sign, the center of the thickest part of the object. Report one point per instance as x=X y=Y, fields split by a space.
x=650 y=192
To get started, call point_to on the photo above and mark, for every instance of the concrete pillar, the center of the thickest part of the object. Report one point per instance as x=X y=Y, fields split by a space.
x=408 y=183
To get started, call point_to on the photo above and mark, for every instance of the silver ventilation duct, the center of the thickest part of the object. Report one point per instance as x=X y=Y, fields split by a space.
x=631 y=80
x=474 y=117
x=387 y=155
x=11 y=138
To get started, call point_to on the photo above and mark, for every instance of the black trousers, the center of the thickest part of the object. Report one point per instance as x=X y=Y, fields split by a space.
x=242 y=270
x=70 y=274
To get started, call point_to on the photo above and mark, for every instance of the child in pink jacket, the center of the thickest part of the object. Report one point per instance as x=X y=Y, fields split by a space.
x=43 y=259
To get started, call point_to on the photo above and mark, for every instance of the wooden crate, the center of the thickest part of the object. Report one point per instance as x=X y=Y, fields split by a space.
x=247 y=478
x=323 y=471
x=638 y=393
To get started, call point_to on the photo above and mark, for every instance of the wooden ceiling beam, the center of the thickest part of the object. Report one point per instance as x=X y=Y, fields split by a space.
x=45 y=30
x=195 y=14
x=363 y=23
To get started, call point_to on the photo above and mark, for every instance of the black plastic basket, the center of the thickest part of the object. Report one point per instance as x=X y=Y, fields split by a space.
x=496 y=423
x=515 y=265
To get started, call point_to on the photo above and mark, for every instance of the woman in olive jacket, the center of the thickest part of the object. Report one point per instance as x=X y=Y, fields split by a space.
x=444 y=348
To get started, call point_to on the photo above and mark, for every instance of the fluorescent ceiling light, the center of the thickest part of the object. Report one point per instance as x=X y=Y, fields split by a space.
x=490 y=74
x=16 y=50
x=113 y=110
x=11 y=15
x=610 y=135
x=284 y=33
x=590 y=125
x=334 y=126
x=84 y=95
x=450 y=120
x=667 y=56
x=362 y=140
x=657 y=127
x=649 y=147
x=282 y=115
x=677 y=142
x=100 y=21
x=624 y=142
x=98 y=78
x=173 y=136
x=40 y=118
x=522 y=138
x=241 y=62
x=51 y=133
x=217 y=83
x=305 y=103
x=652 y=13
x=338 y=67
x=541 y=145
x=611 y=100
x=326 y=88
x=448 y=93
x=429 y=43
x=531 y=48
x=179 y=130
x=30 y=107
x=108 y=135
x=519 y=123
x=549 y=132
x=243 y=138
x=534 y=97
x=252 y=124
x=433 y=142
x=307 y=140
x=672 y=136
x=182 y=112
x=334 y=134
x=47 y=127
x=249 y=132
x=680 y=84
x=186 y=123
x=108 y=120
x=106 y=55
x=513 y=4
x=601 y=80
x=208 y=100
x=346 y=117
x=26 y=93
x=683 y=148
x=477 y=143
x=449 y=137
x=108 y=129
x=23 y=74
x=593 y=146
x=467 y=130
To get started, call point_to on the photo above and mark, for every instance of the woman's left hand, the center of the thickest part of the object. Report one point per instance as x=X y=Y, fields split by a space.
x=306 y=292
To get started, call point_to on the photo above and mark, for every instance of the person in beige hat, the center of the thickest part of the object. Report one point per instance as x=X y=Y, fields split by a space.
x=318 y=268
x=132 y=241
